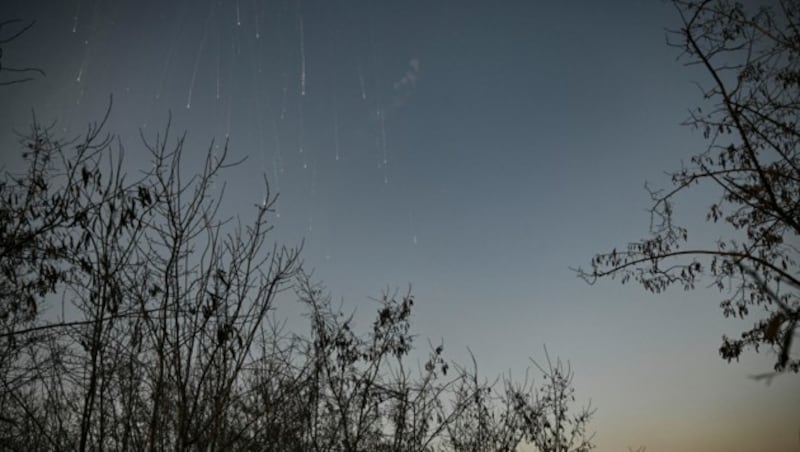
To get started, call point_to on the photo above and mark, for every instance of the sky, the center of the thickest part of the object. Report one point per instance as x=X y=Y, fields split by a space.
x=471 y=150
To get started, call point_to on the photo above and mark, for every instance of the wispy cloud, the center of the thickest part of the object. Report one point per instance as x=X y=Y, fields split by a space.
x=405 y=86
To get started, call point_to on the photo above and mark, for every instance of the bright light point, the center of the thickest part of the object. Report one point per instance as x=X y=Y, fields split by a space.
x=188 y=106
x=337 y=157
x=414 y=239
x=305 y=165
x=385 y=162
x=258 y=35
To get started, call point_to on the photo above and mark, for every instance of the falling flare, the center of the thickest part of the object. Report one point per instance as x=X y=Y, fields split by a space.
x=382 y=117
x=255 y=7
x=238 y=17
x=302 y=52
x=219 y=57
x=283 y=98
x=75 y=17
x=84 y=62
x=197 y=62
x=361 y=82
x=335 y=127
x=170 y=52
x=411 y=226
x=230 y=93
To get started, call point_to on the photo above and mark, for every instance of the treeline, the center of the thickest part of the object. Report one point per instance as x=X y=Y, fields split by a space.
x=133 y=317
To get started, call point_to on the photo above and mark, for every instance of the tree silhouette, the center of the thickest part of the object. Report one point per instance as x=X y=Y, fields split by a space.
x=132 y=317
x=751 y=57
x=16 y=74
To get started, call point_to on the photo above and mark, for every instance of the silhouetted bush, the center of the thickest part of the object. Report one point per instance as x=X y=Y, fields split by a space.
x=133 y=318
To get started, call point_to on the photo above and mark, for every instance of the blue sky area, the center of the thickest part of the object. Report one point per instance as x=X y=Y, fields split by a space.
x=474 y=150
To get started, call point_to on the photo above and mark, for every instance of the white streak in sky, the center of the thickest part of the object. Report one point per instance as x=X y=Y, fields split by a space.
x=219 y=56
x=411 y=226
x=313 y=193
x=197 y=63
x=255 y=8
x=83 y=62
x=278 y=157
x=75 y=18
x=302 y=52
x=361 y=82
x=301 y=132
x=170 y=51
x=336 y=131
x=230 y=91
x=381 y=116
x=277 y=182
x=238 y=17
x=284 y=90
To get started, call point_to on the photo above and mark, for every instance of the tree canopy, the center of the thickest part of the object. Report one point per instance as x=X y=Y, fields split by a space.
x=133 y=317
x=749 y=116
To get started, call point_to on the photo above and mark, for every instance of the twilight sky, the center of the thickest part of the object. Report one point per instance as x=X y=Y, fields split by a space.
x=471 y=149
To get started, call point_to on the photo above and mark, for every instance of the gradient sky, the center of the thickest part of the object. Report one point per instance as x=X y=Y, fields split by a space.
x=483 y=148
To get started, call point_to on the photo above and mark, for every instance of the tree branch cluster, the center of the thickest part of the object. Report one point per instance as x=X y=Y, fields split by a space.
x=750 y=119
x=133 y=318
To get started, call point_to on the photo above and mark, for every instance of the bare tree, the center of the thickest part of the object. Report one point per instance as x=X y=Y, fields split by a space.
x=132 y=317
x=16 y=74
x=750 y=118
x=164 y=302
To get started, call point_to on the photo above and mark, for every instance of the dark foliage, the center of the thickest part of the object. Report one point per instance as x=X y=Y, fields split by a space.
x=750 y=119
x=133 y=318
x=11 y=30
